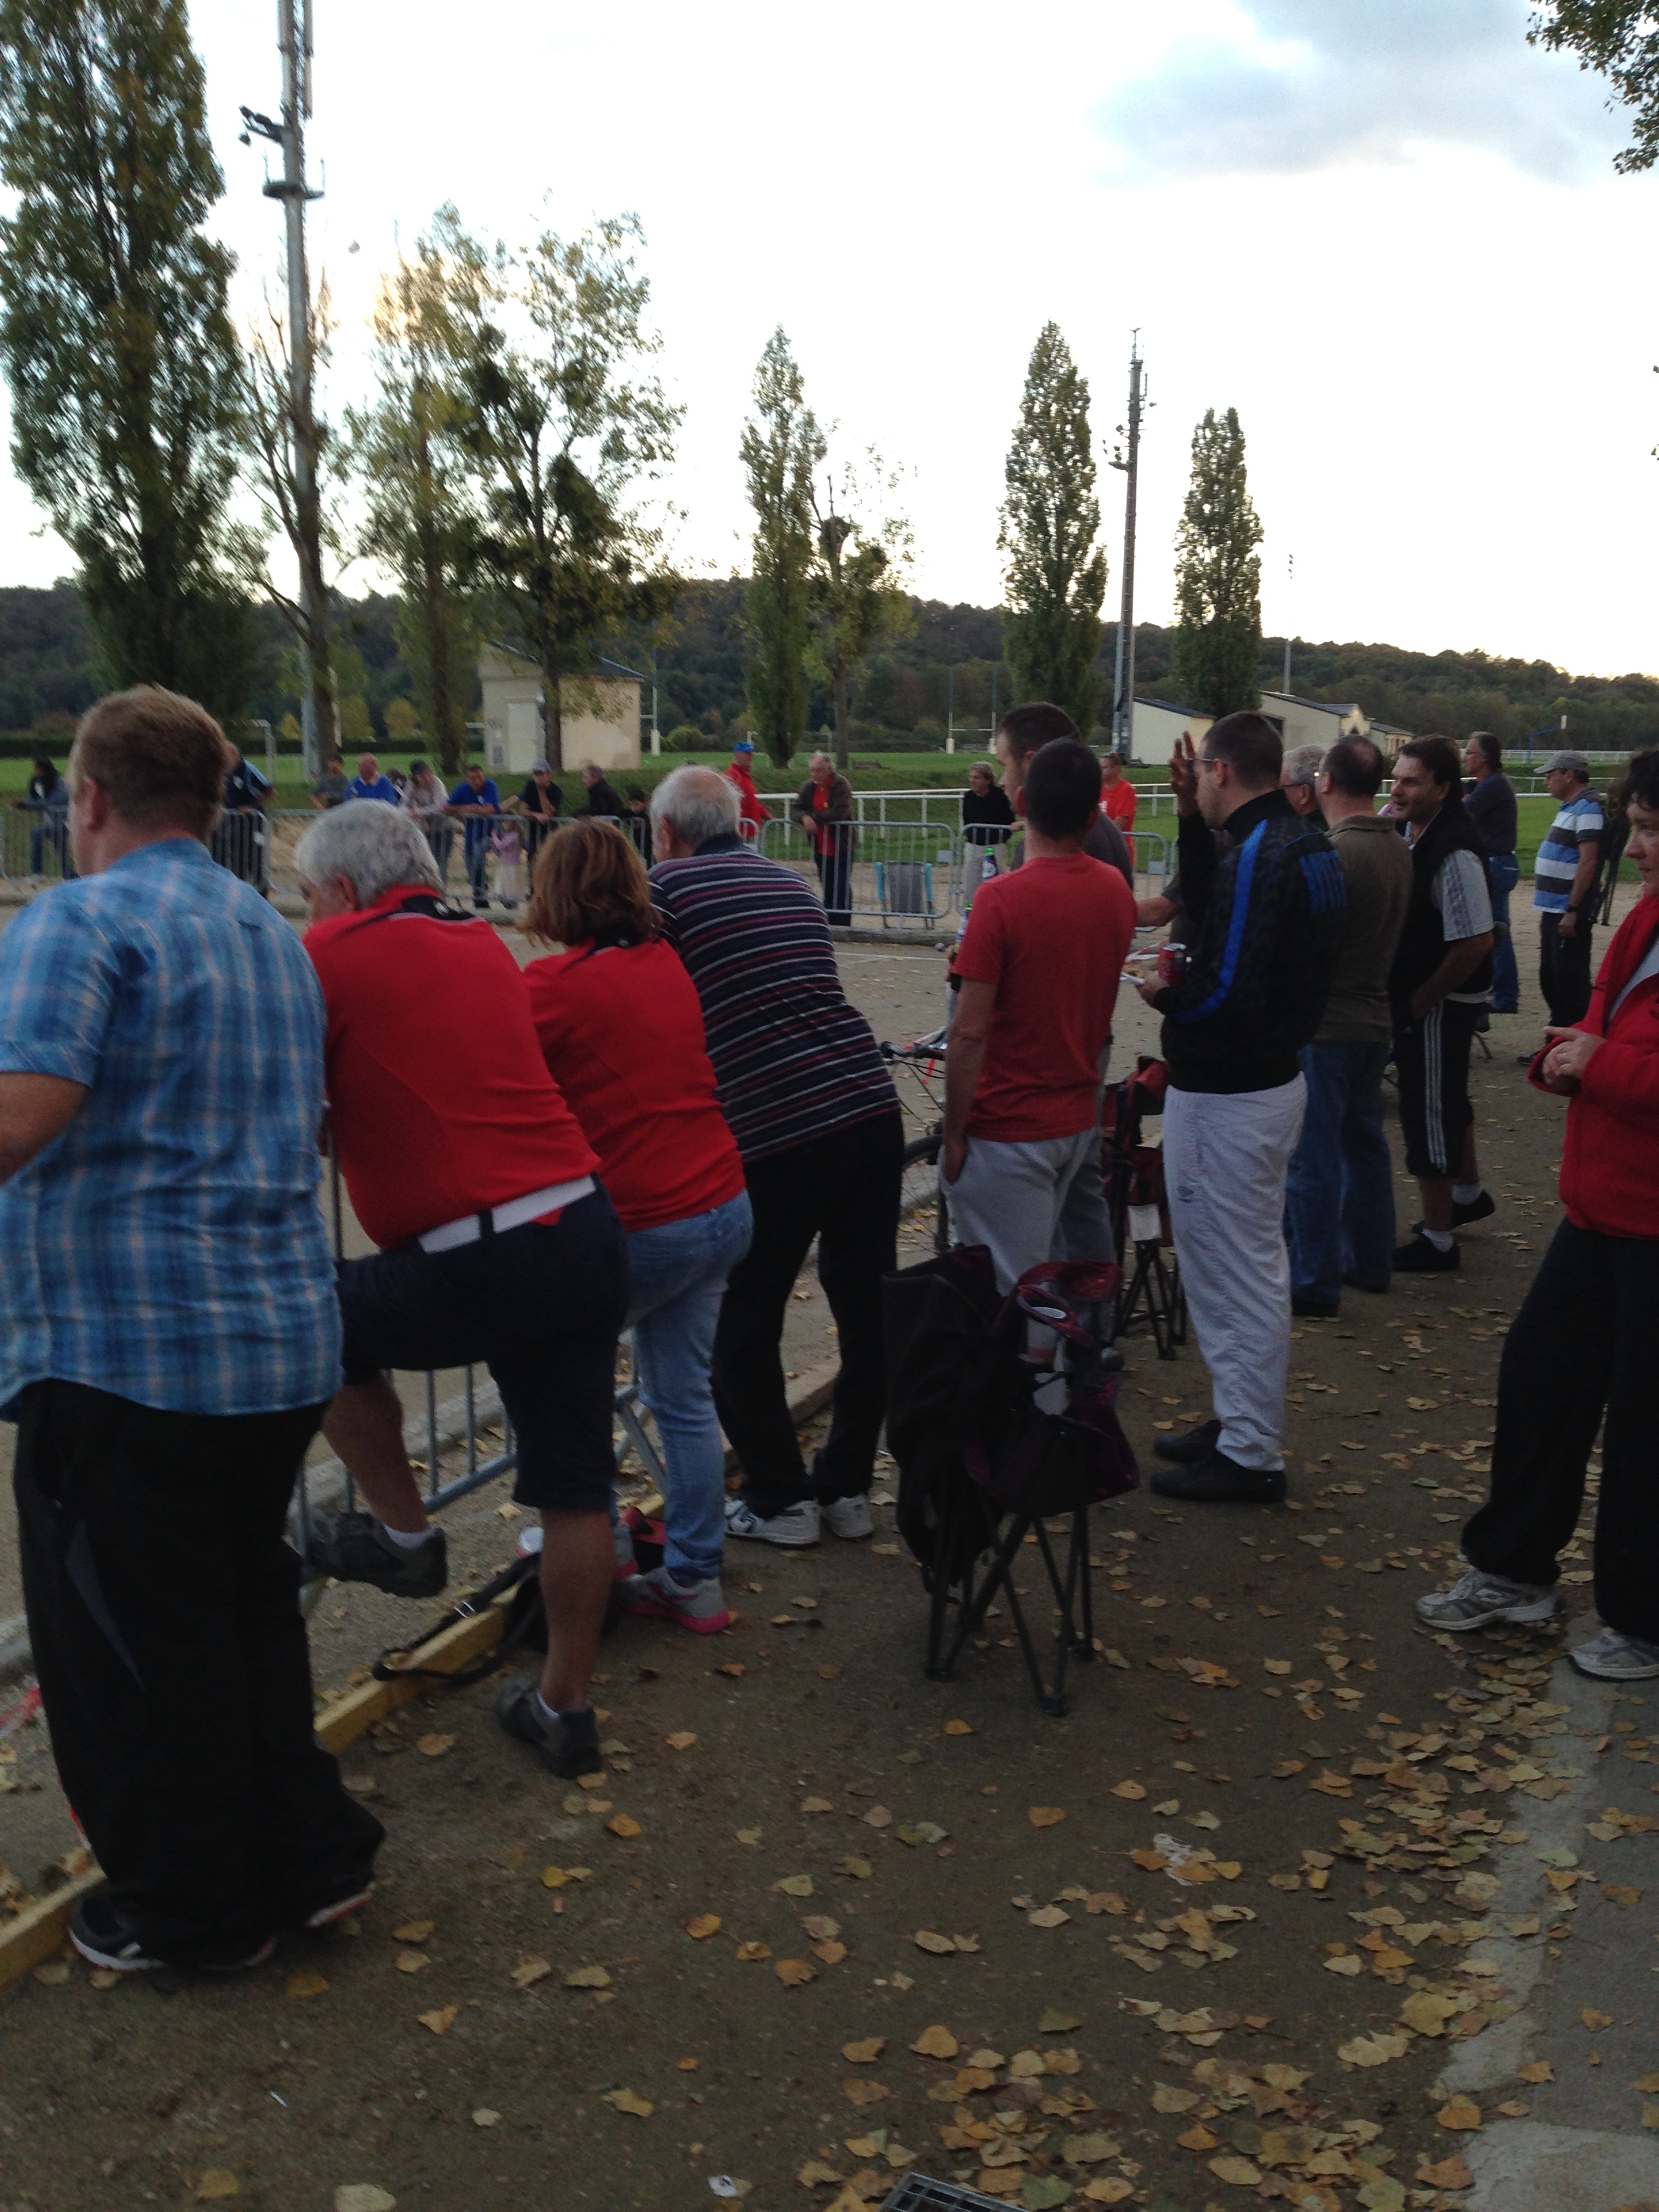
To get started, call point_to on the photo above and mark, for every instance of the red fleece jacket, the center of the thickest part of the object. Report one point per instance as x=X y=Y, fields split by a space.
x=1610 y=1156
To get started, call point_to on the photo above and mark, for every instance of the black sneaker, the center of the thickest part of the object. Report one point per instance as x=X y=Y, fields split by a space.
x=1216 y=1479
x=1477 y=1210
x=1198 y=1444
x=1306 y=1307
x=354 y=1547
x=104 y=1938
x=1419 y=1257
x=570 y=1745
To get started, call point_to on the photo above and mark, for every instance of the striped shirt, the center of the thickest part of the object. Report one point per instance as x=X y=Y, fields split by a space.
x=168 y=1247
x=1579 y=819
x=792 y=1060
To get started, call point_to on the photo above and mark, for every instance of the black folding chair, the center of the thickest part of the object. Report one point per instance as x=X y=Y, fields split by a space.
x=1133 y=1172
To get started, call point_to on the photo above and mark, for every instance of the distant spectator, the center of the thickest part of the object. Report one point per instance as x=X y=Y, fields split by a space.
x=823 y=808
x=1564 y=876
x=332 y=787
x=604 y=802
x=477 y=801
x=740 y=775
x=506 y=863
x=621 y=1030
x=1019 y=734
x=539 y=801
x=370 y=783
x=1490 y=803
x=427 y=804
x=816 y=1117
x=47 y=796
x=1118 y=796
x=1021 y=1160
x=239 y=837
x=988 y=818
x=1299 y=780
x=637 y=822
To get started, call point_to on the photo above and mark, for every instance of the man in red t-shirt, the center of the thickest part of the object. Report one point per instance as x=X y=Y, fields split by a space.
x=1040 y=967
x=1118 y=796
x=740 y=775
x=464 y=1164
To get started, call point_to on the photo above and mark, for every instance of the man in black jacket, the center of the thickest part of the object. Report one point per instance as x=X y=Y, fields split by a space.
x=1265 y=917
x=1440 y=981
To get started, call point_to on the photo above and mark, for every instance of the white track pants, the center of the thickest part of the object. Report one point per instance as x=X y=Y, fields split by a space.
x=1226 y=1155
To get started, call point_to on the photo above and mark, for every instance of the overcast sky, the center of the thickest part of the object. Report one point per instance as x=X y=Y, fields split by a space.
x=1391 y=236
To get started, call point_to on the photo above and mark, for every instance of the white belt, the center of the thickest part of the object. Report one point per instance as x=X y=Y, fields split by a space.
x=514 y=1215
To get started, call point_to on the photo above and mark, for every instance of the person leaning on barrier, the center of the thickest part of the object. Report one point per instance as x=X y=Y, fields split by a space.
x=621 y=1028
x=823 y=808
x=46 y=796
x=427 y=805
x=332 y=787
x=477 y=802
x=465 y=1164
x=988 y=818
x=1579 y=1358
x=813 y=1109
x=370 y=782
x=604 y=802
x=238 y=841
x=168 y=1338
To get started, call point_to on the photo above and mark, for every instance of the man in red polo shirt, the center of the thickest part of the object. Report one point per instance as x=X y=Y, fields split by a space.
x=1040 y=967
x=464 y=1164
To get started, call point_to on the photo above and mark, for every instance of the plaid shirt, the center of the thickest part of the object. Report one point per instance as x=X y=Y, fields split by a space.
x=168 y=1247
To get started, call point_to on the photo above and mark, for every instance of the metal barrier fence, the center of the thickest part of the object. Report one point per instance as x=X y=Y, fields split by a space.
x=898 y=874
x=35 y=845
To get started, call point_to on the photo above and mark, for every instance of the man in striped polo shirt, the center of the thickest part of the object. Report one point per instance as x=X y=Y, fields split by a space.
x=1564 y=878
x=817 y=1120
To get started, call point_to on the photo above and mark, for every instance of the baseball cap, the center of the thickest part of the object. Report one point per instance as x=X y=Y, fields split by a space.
x=417 y=767
x=743 y=745
x=1577 y=763
x=540 y=768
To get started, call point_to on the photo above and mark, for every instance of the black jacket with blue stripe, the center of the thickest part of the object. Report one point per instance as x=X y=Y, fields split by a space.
x=1263 y=920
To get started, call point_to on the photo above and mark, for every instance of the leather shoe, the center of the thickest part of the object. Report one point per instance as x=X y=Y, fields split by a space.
x=1198 y=1444
x=1419 y=1257
x=1217 y=1480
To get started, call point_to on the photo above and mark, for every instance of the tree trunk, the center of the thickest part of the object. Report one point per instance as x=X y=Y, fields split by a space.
x=552 y=717
x=843 y=719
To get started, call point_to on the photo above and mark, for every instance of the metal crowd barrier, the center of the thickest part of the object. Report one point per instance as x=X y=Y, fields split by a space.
x=34 y=844
x=900 y=874
x=471 y=872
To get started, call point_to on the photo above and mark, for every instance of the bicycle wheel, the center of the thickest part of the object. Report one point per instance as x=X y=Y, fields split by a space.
x=919 y=1186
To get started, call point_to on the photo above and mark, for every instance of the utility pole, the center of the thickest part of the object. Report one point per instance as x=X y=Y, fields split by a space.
x=951 y=708
x=294 y=43
x=1123 y=669
x=1290 y=578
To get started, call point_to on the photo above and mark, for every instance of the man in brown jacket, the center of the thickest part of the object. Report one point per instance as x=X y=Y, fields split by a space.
x=823 y=808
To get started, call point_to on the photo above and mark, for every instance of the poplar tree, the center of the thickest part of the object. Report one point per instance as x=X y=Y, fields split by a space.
x=127 y=422
x=1218 y=637
x=1055 y=574
x=1619 y=37
x=782 y=447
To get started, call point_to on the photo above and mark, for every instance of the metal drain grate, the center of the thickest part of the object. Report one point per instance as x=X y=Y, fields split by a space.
x=920 y=2192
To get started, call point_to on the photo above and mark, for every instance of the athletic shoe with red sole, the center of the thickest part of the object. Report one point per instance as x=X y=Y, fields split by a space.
x=700 y=1607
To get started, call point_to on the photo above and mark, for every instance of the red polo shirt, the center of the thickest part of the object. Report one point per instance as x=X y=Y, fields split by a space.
x=441 y=1101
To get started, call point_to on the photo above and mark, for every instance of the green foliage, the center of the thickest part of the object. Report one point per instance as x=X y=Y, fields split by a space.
x=1218 y=641
x=782 y=447
x=126 y=416
x=289 y=731
x=855 y=587
x=686 y=738
x=544 y=348
x=1055 y=574
x=1621 y=38
x=403 y=724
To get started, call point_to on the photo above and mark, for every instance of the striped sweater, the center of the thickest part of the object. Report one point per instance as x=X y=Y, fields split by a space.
x=794 y=1060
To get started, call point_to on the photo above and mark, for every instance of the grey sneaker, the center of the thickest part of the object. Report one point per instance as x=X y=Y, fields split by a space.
x=658 y=1595
x=1475 y=1601
x=568 y=1744
x=354 y=1547
x=1615 y=1658
x=795 y=1526
x=849 y=1518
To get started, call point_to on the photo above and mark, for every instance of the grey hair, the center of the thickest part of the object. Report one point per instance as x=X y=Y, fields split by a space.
x=1304 y=764
x=374 y=847
x=696 y=805
x=817 y=757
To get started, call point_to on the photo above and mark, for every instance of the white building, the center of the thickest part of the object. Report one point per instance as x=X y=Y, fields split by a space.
x=1157 y=724
x=601 y=716
x=1319 y=722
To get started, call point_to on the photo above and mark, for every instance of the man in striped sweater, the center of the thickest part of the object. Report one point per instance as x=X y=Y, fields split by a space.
x=817 y=1120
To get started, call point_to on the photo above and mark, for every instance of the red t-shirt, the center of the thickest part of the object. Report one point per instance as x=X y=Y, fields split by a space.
x=1051 y=936
x=1118 y=803
x=622 y=1032
x=441 y=1100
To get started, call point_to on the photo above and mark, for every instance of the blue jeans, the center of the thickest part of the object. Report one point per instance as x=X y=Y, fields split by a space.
x=1339 y=1196
x=679 y=1273
x=1504 y=873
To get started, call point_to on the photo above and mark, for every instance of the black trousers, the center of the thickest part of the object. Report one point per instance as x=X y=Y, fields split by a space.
x=1564 y=967
x=1581 y=1348
x=835 y=885
x=844 y=1190
x=163 y=1608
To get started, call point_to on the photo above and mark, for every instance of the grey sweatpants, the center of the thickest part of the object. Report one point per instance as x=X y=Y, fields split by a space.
x=1031 y=1202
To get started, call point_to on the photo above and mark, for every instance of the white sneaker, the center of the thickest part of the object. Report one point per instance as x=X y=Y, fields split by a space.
x=1613 y=1657
x=849 y=1518
x=795 y=1526
x=1477 y=1599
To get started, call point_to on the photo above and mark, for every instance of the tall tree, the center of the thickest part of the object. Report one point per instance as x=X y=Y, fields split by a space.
x=125 y=377
x=782 y=447
x=1621 y=38
x=407 y=448
x=560 y=424
x=856 y=585
x=1056 y=574
x=1218 y=637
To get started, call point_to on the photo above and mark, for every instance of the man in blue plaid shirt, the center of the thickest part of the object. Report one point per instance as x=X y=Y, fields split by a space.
x=169 y=1335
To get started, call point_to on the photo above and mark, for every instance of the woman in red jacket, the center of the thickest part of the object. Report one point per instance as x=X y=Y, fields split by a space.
x=620 y=1029
x=1581 y=1348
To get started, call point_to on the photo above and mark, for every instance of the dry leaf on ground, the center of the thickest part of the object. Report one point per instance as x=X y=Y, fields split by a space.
x=865 y=2053
x=529 y=1972
x=434 y=1747
x=936 y=2043
x=926 y=1940
x=1130 y=1790
x=218 y=2181
x=1596 y=2021
x=305 y=1984
x=705 y=1925
x=628 y=2100
x=363 y=2197
x=416 y=1931
x=587 y=1978
x=486 y=2117
x=958 y=1728
x=682 y=1740
x=1046 y=1816
x=1462 y=2114
x=440 y=2021
x=625 y=1826
x=794 y=1972
x=1450 y=2173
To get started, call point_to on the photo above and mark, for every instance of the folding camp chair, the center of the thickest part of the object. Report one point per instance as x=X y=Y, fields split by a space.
x=1133 y=1175
x=1001 y=1418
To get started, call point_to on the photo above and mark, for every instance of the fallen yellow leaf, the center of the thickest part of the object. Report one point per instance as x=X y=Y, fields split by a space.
x=434 y=1747
x=626 y=2100
x=866 y=2053
x=486 y=2117
x=1131 y=1789
x=1596 y=2021
x=748 y=1952
x=529 y=1972
x=416 y=1931
x=305 y=1984
x=623 y=1825
x=936 y=2043
x=1048 y=1816
x=682 y=1740
x=411 y=1962
x=958 y=1728
x=705 y=1924
x=442 y=2020
x=1542 y=2070
x=587 y=1978
x=940 y=1945
x=1459 y=2113
x=792 y=1972
x=218 y=2181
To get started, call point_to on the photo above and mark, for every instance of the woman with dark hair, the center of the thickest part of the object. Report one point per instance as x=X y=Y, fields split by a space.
x=620 y=1029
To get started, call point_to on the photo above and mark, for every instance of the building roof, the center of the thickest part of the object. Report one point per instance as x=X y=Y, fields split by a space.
x=1315 y=706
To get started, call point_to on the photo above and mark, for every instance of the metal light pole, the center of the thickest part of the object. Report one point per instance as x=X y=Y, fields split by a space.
x=293 y=43
x=951 y=708
x=1290 y=578
x=1123 y=669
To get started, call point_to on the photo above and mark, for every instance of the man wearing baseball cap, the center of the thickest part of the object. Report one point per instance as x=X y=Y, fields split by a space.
x=1564 y=879
x=741 y=776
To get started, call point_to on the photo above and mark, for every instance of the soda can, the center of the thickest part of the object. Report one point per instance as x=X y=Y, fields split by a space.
x=1171 y=964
